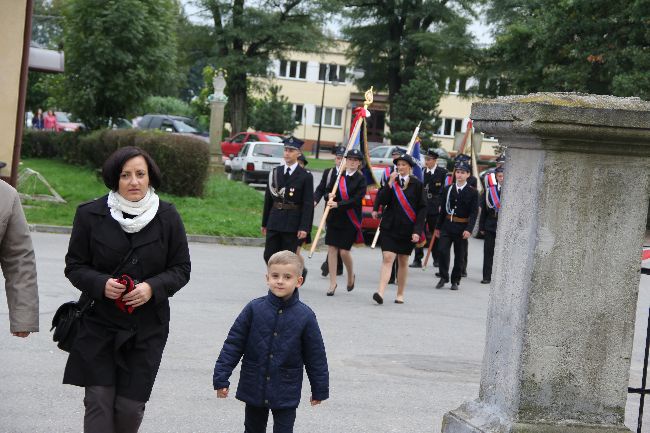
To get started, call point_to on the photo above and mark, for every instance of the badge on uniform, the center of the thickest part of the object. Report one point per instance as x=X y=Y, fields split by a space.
x=438 y=183
x=291 y=192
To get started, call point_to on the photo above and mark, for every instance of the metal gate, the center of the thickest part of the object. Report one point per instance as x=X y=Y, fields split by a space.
x=643 y=390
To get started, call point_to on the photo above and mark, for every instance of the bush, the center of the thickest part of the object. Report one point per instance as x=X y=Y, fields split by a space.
x=166 y=105
x=183 y=160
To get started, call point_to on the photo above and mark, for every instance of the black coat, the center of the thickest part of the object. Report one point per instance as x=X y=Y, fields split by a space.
x=299 y=190
x=325 y=185
x=110 y=338
x=465 y=205
x=337 y=217
x=489 y=217
x=433 y=185
x=277 y=339
x=394 y=220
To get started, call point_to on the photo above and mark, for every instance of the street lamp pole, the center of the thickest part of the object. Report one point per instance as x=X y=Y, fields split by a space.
x=322 y=102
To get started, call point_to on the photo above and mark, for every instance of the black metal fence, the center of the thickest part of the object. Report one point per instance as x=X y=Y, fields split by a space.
x=643 y=390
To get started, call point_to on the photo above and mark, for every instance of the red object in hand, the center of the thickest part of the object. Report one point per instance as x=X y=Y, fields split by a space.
x=130 y=285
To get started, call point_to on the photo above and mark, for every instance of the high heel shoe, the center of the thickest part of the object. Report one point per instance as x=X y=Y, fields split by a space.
x=331 y=292
x=354 y=279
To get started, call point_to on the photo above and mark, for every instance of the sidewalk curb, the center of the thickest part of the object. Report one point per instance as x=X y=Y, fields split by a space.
x=205 y=239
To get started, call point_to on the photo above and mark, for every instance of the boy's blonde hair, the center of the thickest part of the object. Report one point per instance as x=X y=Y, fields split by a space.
x=287 y=257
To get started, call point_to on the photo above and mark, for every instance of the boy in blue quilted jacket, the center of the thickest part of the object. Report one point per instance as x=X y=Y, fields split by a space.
x=277 y=335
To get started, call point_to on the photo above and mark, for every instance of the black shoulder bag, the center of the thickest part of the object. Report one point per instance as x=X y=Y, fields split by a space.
x=66 y=320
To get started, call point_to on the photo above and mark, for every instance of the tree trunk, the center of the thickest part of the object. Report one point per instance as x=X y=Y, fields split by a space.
x=238 y=103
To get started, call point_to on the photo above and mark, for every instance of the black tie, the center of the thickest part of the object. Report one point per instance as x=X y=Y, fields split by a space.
x=286 y=175
x=401 y=182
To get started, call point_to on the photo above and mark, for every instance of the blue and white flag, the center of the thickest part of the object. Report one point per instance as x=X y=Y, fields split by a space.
x=417 y=169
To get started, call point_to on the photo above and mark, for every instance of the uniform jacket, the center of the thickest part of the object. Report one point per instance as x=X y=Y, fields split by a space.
x=299 y=190
x=157 y=254
x=276 y=339
x=18 y=263
x=394 y=219
x=433 y=185
x=489 y=217
x=326 y=184
x=465 y=205
x=338 y=217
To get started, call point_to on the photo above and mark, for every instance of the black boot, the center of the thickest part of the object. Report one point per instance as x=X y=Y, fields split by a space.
x=416 y=264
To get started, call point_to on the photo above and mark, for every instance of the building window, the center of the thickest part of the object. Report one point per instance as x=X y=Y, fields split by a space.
x=331 y=117
x=334 y=72
x=293 y=69
x=449 y=127
x=298 y=110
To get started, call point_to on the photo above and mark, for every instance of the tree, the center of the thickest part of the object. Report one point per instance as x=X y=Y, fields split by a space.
x=397 y=39
x=117 y=55
x=592 y=46
x=247 y=37
x=273 y=113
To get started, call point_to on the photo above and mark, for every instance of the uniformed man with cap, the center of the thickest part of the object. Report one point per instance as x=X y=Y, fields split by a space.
x=324 y=187
x=457 y=217
x=434 y=183
x=490 y=207
x=288 y=203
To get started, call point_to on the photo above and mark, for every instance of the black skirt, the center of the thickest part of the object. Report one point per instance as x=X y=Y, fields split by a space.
x=341 y=237
x=396 y=244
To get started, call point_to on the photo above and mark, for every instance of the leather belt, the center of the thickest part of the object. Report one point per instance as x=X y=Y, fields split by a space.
x=285 y=206
x=455 y=219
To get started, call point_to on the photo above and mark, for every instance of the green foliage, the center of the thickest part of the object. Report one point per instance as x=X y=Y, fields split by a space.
x=47 y=30
x=117 y=53
x=273 y=113
x=167 y=105
x=40 y=144
x=592 y=46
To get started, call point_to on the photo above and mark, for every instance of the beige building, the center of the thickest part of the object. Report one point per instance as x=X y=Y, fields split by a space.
x=310 y=80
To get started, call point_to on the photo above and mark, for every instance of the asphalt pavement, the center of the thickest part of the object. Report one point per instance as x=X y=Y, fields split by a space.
x=393 y=368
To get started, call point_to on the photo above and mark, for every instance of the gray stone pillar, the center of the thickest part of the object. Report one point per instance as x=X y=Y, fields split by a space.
x=567 y=259
x=216 y=128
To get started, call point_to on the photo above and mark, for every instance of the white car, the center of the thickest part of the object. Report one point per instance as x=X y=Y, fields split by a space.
x=255 y=160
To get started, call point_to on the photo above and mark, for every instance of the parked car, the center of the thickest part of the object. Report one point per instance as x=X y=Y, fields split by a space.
x=231 y=146
x=381 y=155
x=63 y=122
x=255 y=160
x=174 y=124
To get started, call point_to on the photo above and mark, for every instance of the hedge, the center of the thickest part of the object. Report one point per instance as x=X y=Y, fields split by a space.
x=183 y=160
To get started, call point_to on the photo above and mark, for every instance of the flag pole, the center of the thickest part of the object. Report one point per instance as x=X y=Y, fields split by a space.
x=355 y=131
x=409 y=150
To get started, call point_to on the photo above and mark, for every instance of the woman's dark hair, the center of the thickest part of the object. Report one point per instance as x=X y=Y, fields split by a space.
x=114 y=164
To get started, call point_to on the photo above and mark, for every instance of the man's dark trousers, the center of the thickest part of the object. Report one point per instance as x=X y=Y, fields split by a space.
x=279 y=241
x=444 y=255
x=488 y=254
x=257 y=418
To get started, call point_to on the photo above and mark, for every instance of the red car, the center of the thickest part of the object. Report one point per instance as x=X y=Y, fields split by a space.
x=231 y=146
x=368 y=223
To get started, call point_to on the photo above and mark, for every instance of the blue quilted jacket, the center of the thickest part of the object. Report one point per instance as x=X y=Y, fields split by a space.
x=276 y=338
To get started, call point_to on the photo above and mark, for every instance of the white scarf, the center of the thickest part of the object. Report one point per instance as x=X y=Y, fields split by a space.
x=144 y=210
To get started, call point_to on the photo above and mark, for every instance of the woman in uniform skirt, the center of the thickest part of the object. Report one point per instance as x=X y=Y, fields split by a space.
x=344 y=219
x=402 y=223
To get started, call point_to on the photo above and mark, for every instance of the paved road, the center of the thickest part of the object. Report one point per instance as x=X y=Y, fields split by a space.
x=394 y=368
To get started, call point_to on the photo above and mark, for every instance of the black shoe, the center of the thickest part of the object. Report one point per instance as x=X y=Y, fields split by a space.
x=339 y=271
x=354 y=279
x=437 y=274
x=454 y=286
x=324 y=269
x=377 y=298
x=485 y=281
x=391 y=281
x=441 y=283
x=463 y=274
x=416 y=264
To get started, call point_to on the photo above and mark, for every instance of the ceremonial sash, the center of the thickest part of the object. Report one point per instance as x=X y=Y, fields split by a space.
x=354 y=218
x=406 y=206
x=448 y=179
x=493 y=192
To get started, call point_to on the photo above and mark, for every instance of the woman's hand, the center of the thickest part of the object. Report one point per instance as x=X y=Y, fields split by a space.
x=332 y=204
x=139 y=296
x=331 y=196
x=391 y=179
x=415 y=238
x=113 y=289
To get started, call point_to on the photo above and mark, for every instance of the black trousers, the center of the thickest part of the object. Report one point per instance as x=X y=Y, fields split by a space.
x=430 y=227
x=444 y=255
x=257 y=418
x=279 y=241
x=488 y=254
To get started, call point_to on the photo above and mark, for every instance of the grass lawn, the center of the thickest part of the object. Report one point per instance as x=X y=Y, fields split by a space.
x=319 y=164
x=227 y=209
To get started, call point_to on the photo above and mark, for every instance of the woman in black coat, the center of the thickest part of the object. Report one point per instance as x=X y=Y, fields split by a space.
x=402 y=223
x=126 y=235
x=344 y=219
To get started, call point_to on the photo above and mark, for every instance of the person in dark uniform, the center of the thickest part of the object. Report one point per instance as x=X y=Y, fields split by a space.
x=434 y=183
x=302 y=161
x=490 y=206
x=395 y=153
x=402 y=223
x=473 y=182
x=457 y=217
x=324 y=187
x=288 y=203
x=344 y=218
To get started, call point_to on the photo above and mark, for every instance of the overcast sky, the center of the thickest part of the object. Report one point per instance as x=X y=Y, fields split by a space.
x=478 y=27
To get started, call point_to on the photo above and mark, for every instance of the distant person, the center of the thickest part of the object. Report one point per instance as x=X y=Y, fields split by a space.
x=490 y=207
x=18 y=264
x=49 y=121
x=38 y=122
x=277 y=335
x=128 y=253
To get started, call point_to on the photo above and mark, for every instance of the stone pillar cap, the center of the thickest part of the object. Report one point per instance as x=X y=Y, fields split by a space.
x=567 y=116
